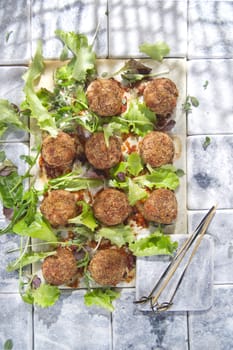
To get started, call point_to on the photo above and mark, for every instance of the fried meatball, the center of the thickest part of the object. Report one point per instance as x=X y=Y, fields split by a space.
x=157 y=149
x=160 y=206
x=101 y=156
x=109 y=266
x=111 y=207
x=105 y=97
x=58 y=207
x=59 y=268
x=160 y=95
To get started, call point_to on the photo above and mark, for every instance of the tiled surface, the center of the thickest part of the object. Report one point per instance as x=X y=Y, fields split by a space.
x=133 y=329
x=15 y=322
x=200 y=31
x=71 y=325
x=132 y=23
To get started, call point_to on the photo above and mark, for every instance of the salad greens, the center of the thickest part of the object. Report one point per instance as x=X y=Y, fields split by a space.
x=65 y=108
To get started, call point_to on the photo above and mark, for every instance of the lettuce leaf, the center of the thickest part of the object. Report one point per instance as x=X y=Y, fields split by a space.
x=39 y=228
x=86 y=218
x=155 y=244
x=134 y=164
x=44 y=119
x=85 y=58
x=135 y=192
x=9 y=117
x=102 y=298
x=118 y=235
x=45 y=295
x=156 y=51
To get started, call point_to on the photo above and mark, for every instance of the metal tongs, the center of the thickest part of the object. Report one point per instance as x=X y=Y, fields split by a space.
x=168 y=273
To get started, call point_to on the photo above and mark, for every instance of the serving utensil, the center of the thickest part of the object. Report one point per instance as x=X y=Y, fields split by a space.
x=196 y=237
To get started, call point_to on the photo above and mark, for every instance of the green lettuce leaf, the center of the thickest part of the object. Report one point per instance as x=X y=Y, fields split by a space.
x=139 y=117
x=27 y=259
x=102 y=298
x=118 y=235
x=46 y=295
x=136 y=193
x=156 y=51
x=134 y=164
x=9 y=117
x=45 y=120
x=85 y=58
x=155 y=244
x=39 y=228
x=86 y=218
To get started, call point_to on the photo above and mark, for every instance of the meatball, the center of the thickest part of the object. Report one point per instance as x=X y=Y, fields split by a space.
x=157 y=149
x=160 y=95
x=109 y=266
x=160 y=206
x=59 y=268
x=99 y=154
x=58 y=154
x=105 y=97
x=58 y=207
x=111 y=207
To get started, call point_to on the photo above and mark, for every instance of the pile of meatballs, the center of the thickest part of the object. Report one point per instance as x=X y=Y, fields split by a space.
x=109 y=265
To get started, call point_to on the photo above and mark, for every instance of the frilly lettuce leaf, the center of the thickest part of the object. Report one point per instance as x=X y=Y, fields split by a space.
x=156 y=51
x=45 y=120
x=134 y=164
x=135 y=192
x=27 y=259
x=118 y=235
x=86 y=218
x=155 y=244
x=45 y=295
x=102 y=298
x=9 y=117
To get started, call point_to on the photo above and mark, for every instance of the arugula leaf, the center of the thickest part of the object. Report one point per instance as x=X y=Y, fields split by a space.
x=102 y=298
x=44 y=120
x=73 y=182
x=136 y=193
x=155 y=244
x=118 y=235
x=27 y=259
x=139 y=117
x=85 y=58
x=156 y=51
x=86 y=218
x=38 y=228
x=9 y=117
x=46 y=295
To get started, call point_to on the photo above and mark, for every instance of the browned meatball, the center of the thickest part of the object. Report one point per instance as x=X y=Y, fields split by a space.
x=111 y=207
x=160 y=95
x=109 y=266
x=101 y=156
x=157 y=149
x=105 y=97
x=160 y=206
x=60 y=268
x=58 y=207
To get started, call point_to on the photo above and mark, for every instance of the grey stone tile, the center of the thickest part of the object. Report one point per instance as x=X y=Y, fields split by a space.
x=210 y=29
x=210 y=172
x=9 y=280
x=132 y=23
x=68 y=15
x=133 y=329
x=71 y=325
x=15 y=322
x=14 y=31
x=221 y=230
x=199 y=281
x=13 y=152
x=214 y=114
x=213 y=329
x=11 y=89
